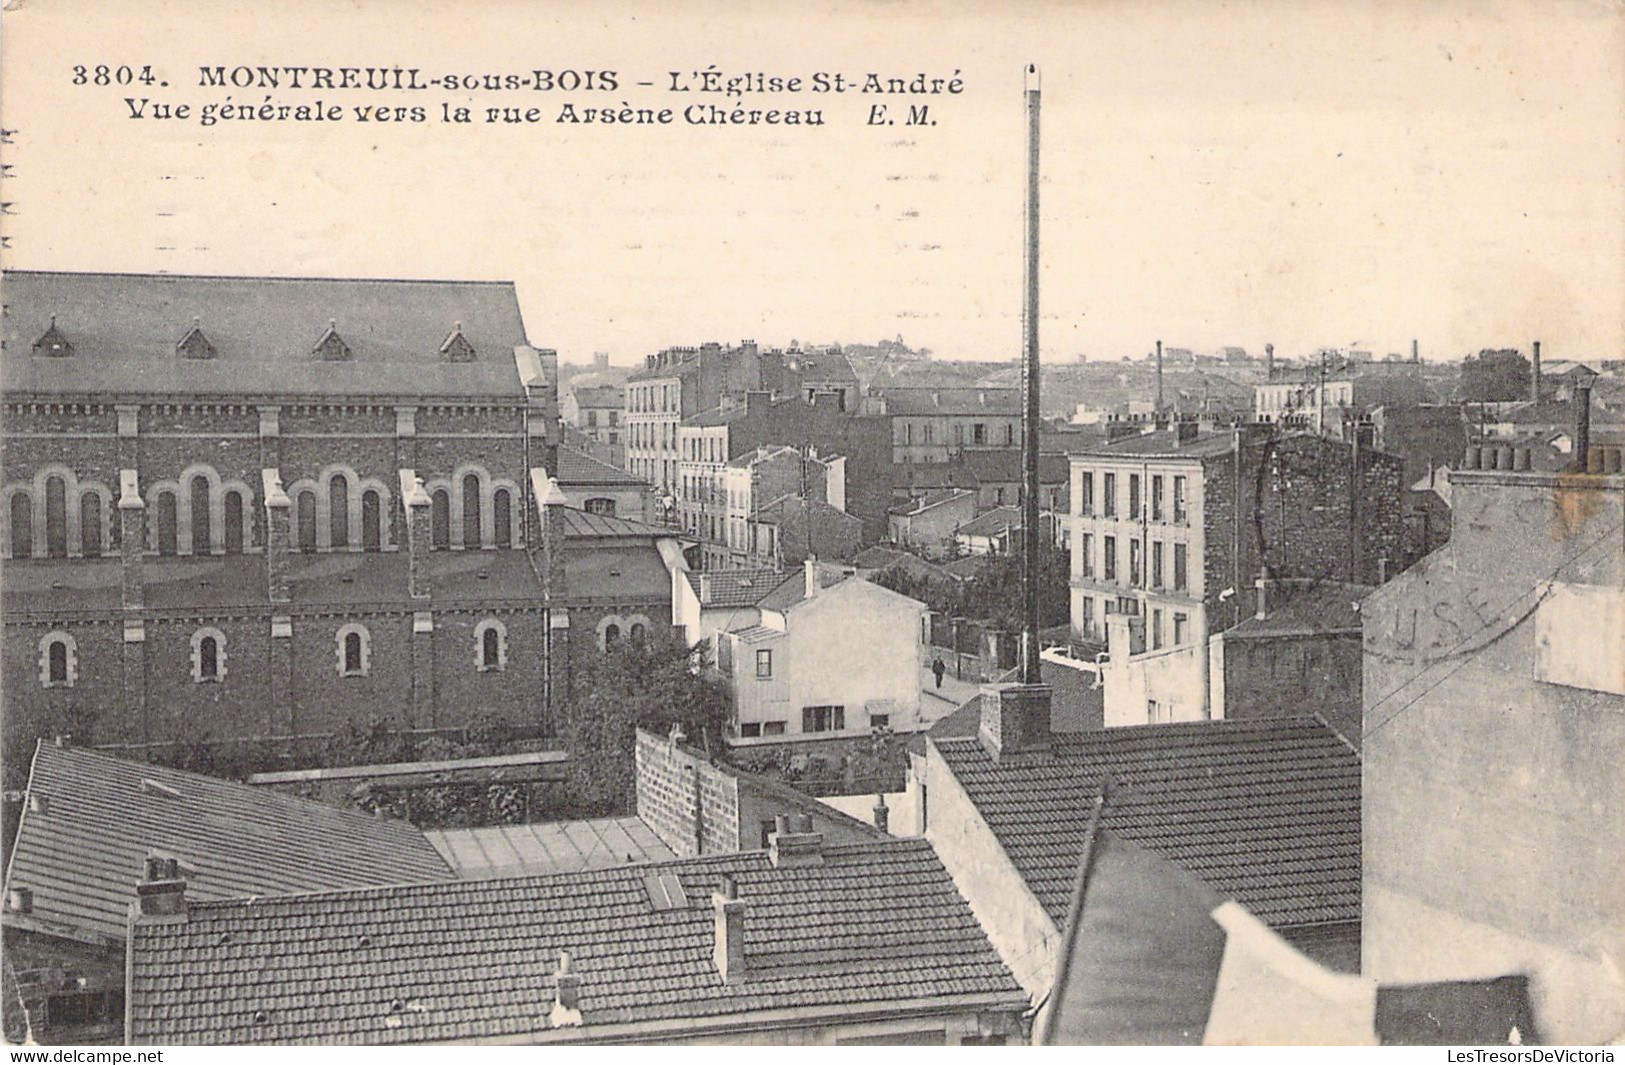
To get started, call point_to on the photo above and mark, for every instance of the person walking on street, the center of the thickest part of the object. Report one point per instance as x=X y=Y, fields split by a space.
x=939 y=669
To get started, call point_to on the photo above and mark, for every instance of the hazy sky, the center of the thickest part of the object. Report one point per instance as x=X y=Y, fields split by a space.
x=1214 y=173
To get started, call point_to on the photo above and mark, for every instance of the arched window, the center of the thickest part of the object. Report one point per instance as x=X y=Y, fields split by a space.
x=371 y=536
x=58 y=660
x=490 y=646
x=56 y=517
x=338 y=511
x=600 y=505
x=354 y=651
x=307 y=521
x=502 y=516
x=612 y=636
x=637 y=632
x=208 y=656
x=200 y=516
x=234 y=522
x=471 y=511
x=90 y=525
x=440 y=518
x=22 y=525
x=167 y=541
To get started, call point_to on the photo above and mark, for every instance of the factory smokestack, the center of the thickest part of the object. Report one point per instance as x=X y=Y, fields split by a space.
x=1534 y=375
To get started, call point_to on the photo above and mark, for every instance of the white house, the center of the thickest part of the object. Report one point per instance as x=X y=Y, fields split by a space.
x=825 y=662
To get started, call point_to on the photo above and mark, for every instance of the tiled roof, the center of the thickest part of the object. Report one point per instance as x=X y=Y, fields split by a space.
x=547 y=847
x=124 y=329
x=785 y=508
x=877 y=924
x=995 y=522
x=578 y=467
x=821 y=366
x=917 y=401
x=926 y=502
x=793 y=589
x=83 y=853
x=1265 y=811
x=734 y=587
x=757 y=633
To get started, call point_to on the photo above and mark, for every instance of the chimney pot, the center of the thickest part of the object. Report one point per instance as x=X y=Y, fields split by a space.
x=795 y=843
x=20 y=900
x=161 y=891
x=882 y=813
x=37 y=803
x=566 y=1011
x=1582 y=424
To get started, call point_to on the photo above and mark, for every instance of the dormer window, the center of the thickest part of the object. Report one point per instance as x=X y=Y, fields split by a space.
x=194 y=345
x=331 y=348
x=52 y=344
x=457 y=348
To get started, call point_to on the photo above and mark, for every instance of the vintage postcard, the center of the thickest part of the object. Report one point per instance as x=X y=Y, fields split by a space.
x=874 y=523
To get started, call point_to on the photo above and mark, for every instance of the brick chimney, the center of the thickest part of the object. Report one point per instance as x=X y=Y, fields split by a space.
x=728 y=952
x=1015 y=719
x=1534 y=374
x=419 y=533
x=794 y=843
x=1581 y=405
x=809 y=570
x=1185 y=431
x=882 y=813
x=278 y=534
x=132 y=524
x=161 y=891
x=1158 y=407
x=1269 y=361
x=566 y=1012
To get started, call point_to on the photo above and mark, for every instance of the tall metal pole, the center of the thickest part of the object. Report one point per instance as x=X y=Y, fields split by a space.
x=1030 y=371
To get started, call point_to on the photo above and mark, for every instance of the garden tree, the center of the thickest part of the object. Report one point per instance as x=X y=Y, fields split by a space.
x=994 y=594
x=650 y=684
x=1495 y=375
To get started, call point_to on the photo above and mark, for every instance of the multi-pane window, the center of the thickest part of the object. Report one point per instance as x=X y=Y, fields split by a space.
x=1181 y=576
x=1156 y=563
x=1086 y=493
x=1086 y=553
x=1134 y=496
x=823 y=718
x=1156 y=498
x=1179 y=500
x=764 y=664
x=1109 y=558
x=1108 y=492
x=1134 y=563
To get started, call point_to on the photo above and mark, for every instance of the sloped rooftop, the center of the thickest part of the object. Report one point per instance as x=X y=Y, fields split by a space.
x=83 y=853
x=124 y=328
x=1265 y=811
x=578 y=467
x=877 y=924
